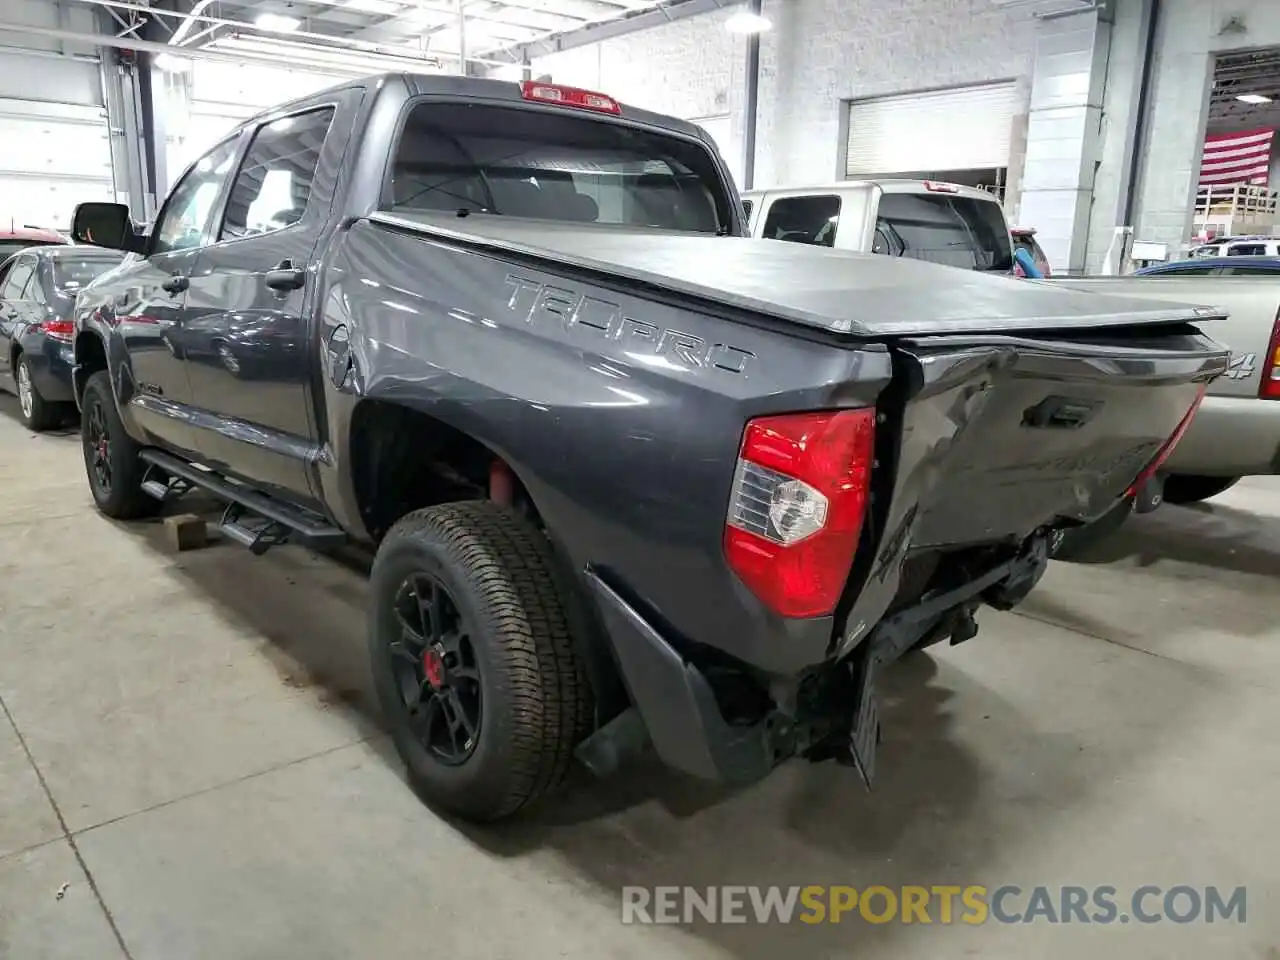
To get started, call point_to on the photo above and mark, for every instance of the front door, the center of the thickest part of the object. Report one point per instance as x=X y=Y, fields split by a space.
x=148 y=299
x=247 y=308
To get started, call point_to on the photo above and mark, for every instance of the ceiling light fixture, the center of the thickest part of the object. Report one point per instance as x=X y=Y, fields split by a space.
x=1253 y=98
x=171 y=64
x=745 y=22
x=277 y=22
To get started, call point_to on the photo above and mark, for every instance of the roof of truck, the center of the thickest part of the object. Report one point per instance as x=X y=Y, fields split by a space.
x=806 y=284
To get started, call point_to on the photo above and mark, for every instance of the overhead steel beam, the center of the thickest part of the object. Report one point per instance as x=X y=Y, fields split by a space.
x=594 y=33
x=333 y=41
x=150 y=46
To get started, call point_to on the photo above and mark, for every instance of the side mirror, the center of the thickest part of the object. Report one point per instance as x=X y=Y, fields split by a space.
x=104 y=225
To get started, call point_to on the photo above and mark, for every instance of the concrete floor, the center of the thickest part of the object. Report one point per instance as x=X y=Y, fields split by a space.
x=189 y=745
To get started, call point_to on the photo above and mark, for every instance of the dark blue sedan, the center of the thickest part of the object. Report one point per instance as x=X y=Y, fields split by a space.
x=1215 y=266
x=38 y=288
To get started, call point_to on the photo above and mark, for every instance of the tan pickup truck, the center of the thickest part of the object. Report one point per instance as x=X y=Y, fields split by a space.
x=1236 y=431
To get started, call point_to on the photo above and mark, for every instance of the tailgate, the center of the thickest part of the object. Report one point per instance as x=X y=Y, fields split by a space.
x=1003 y=435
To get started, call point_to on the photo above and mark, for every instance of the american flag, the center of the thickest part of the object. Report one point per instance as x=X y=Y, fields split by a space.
x=1236 y=159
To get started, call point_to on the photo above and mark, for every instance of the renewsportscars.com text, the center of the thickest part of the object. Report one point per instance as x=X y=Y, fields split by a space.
x=940 y=904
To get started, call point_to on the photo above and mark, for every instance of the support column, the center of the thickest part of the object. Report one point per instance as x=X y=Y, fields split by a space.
x=128 y=150
x=1064 y=133
x=751 y=86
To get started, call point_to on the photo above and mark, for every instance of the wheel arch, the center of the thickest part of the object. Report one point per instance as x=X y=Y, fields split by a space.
x=403 y=459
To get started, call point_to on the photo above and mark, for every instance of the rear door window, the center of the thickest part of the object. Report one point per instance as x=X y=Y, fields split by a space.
x=272 y=188
x=15 y=283
x=554 y=165
x=804 y=220
x=1247 y=250
x=953 y=230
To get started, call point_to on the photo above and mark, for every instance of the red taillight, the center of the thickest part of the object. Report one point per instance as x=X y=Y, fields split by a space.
x=58 y=329
x=1164 y=452
x=1269 y=389
x=933 y=186
x=795 y=513
x=568 y=96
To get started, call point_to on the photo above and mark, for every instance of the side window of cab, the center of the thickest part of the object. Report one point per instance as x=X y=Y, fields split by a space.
x=185 y=221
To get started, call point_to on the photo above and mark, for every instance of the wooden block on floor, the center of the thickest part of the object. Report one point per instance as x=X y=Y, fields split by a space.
x=186 y=531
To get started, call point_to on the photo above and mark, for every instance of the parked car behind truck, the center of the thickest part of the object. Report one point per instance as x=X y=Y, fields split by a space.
x=38 y=287
x=1236 y=432
x=631 y=475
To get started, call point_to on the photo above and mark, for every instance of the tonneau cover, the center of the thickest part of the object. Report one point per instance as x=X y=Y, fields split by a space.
x=862 y=295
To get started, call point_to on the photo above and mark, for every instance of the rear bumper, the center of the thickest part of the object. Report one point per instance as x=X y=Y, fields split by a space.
x=1230 y=437
x=50 y=362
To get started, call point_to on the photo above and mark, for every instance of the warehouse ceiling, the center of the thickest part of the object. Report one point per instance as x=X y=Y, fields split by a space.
x=369 y=35
x=1254 y=74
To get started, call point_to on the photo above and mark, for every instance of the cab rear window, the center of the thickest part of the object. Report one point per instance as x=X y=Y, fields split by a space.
x=555 y=165
x=953 y=230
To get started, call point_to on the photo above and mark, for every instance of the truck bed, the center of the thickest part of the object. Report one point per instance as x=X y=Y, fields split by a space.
x=839 y=291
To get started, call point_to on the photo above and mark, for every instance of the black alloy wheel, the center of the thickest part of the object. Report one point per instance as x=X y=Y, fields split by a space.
x=97 y=446
x=436 y=670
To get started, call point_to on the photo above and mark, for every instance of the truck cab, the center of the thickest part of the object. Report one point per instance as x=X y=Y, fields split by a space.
x=929 y=220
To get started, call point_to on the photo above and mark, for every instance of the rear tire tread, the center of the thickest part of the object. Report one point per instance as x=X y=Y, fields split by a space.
x=511 y=575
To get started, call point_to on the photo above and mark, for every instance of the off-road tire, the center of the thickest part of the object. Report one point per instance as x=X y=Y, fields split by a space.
x=44 y=415
x=124 y=499
x=1186 y=488
x=501 y=574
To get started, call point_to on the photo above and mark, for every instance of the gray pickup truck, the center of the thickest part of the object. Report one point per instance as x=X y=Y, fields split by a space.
x=633 y=477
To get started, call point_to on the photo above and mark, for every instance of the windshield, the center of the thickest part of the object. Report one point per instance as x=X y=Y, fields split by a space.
x=72 y=274
x=954 y=230
x=521 y=162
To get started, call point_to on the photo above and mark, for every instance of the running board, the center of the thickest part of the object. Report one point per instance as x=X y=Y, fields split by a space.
x=251 y=519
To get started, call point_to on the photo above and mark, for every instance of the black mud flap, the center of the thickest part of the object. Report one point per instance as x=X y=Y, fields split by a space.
x=864 y=734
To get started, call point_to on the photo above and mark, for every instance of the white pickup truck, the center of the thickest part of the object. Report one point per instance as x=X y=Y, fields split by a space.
x=922 y=219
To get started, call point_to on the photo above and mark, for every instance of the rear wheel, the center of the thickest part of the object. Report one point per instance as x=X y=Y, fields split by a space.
x=111 y=455
x=1184 y=488
x=472 y=658
x=37 y=413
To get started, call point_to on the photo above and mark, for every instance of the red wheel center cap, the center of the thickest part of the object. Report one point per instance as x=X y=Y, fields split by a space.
x=433 y=668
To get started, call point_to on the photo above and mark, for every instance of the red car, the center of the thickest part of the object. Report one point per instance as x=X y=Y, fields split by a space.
x=17 y=238
x=1025 y=238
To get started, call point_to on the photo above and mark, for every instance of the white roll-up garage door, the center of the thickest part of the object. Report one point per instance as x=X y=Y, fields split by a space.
x=52 y=156
x=963 y=128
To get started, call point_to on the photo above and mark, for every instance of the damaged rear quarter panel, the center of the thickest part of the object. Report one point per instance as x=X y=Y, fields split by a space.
x=621 y=414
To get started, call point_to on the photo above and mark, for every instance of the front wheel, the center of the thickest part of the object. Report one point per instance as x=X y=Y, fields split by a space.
x=472 y=658
x=1185 y=488
x=111 y=455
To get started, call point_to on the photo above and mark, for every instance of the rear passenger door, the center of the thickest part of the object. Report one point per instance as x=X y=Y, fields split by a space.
x=249 y=301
